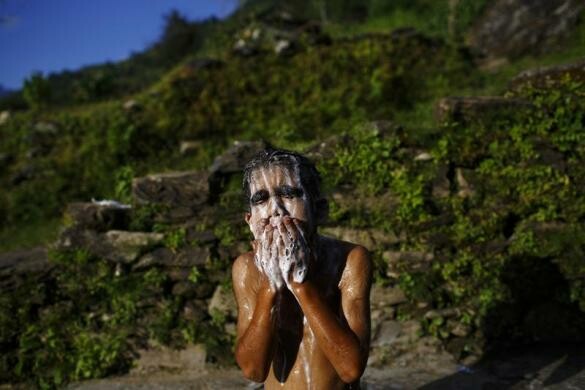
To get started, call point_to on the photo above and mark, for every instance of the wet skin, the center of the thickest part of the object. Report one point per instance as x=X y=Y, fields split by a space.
x=312 y=334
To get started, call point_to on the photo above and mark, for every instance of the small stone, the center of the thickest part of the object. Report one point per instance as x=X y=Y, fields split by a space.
x=178 y=273
x=131 y=105
x=461 y=330
x=424 y=156
x=191 y=257
x=230 y=328
x=129 y=245
x=283 y=47
x=445 y=313
x=159 y=256
x=4 y=117
x=471 y=360
x=224 y=302
x=384 y=296
x=407 y=256
x=195 y=310
x=387 y=333
x=464 y=180
x=184 y=288
x=198 y=237
x=190 y=148
x=45 y=128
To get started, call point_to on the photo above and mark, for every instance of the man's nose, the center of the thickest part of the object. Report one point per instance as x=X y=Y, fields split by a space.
x=277 y=207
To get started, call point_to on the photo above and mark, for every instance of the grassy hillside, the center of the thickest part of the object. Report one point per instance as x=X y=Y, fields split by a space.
x=496 y=201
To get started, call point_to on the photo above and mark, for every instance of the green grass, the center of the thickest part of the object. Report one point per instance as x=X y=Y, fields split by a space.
x=29 y=235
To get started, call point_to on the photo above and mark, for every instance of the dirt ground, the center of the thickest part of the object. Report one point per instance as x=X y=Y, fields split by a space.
x=553 y=366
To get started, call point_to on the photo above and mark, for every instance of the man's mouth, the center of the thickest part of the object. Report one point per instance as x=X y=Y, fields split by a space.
x=275 y=221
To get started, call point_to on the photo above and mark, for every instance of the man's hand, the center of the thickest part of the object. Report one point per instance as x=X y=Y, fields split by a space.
x=293 y=251
x=266 y=256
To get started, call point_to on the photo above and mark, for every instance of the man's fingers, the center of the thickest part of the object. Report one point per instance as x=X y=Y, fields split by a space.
x=300 y=228
x=291 y=229
x=287 y=238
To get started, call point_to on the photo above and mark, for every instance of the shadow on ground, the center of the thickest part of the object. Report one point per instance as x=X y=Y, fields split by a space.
x=536 y=366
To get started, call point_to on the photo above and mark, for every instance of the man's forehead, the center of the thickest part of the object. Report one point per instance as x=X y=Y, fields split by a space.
x=275 y=175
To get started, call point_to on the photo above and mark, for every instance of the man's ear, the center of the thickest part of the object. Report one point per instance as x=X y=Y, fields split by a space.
x=247 y=217
x=321 y=211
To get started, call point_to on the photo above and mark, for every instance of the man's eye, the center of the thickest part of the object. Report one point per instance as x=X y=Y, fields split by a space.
x=258 y=198
x=291 y=193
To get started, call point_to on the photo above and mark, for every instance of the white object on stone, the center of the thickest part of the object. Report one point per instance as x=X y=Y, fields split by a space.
x=111 y=203
x=424 y=156
x=281 y=46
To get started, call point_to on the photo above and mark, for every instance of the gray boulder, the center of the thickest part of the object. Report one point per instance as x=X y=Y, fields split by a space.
x=235 y=158
x=514 y=28
x=98 y=216
x=179 y=193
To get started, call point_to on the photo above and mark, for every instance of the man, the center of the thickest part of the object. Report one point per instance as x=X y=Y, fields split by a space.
x=303 y=299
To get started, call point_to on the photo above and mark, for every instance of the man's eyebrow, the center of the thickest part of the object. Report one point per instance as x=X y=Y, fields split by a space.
x=259 y=195
x=289 y=190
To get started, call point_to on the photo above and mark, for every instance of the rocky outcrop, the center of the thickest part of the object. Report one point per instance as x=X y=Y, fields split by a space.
x=178 y=194
x=548 y=77
x=514 y=28
x=478 y=108
x=99 y=216
x=17 y=265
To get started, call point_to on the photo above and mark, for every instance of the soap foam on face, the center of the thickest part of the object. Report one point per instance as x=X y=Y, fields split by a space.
x=275 y=221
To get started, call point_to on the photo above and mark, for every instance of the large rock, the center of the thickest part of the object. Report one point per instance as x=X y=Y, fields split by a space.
x=186 y=257
x=514 y=28
x=548 y=77
x=235 y=158
x=116 y=245
x=181 y=193
x=74 y=238
x=18 y=264
x=129 y=245
x=478 y=108
x=100 y=216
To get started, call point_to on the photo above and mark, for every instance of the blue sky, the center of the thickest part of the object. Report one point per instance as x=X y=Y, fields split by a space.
x=54 y=35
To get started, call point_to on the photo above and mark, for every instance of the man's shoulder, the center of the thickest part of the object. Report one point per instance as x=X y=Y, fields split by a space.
x=355 y=258
x=242 y=263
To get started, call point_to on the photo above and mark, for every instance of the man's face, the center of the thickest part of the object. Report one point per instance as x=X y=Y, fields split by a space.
x=276 y=192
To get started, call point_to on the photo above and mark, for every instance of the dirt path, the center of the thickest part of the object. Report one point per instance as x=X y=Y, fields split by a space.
x=552 y=367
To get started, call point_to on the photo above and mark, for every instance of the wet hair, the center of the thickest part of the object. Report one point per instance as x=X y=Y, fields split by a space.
x=310 y=178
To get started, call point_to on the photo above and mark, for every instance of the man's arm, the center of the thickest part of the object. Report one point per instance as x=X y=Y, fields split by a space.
x=255 y=329
x=345 y=344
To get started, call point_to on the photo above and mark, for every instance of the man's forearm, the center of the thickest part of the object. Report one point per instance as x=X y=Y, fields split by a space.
x=336 y=340
x=253 y=350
